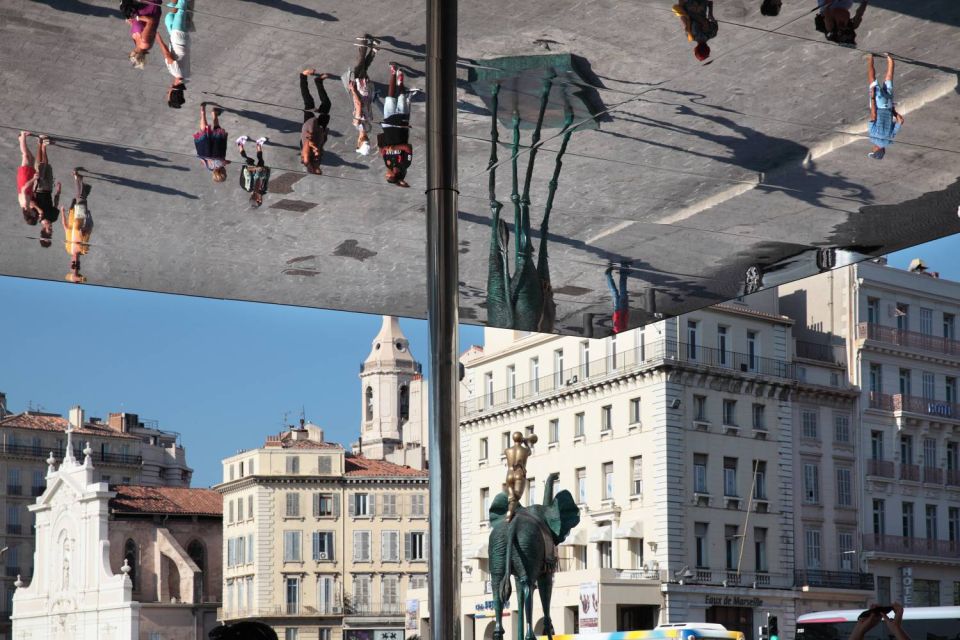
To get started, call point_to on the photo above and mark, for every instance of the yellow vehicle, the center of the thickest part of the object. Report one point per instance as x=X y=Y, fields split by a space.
x=675 y=631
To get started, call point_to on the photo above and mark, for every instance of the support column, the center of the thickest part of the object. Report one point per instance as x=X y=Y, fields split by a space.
x=442 y=316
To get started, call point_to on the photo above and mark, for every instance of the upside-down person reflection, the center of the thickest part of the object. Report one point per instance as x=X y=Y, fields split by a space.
x=177 y=55
x=316 y=120
x=144 y=19
x=27 y=178
x=621 y=299
x=770 y=7
x=77 y=228
x=699 y=24
x=211 y=144
x=362 y=91
x=877 y=614
x=254 y=178
x=394 y=142
x=885 y=122
x=834 y=21
x=46 y=195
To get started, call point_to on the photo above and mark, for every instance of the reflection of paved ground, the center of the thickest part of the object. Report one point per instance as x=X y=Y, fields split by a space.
x=669 y=181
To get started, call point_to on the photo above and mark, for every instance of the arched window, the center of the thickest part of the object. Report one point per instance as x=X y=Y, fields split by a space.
x=130 y=555
x=369 y=403
x=404 y=402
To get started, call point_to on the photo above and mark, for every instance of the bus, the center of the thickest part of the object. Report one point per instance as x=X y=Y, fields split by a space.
x=920 y=623
x=675 y=631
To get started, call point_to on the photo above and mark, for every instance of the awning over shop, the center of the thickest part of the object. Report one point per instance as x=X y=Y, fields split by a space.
x=480 y=551
x=577 y=537
x=629 y=530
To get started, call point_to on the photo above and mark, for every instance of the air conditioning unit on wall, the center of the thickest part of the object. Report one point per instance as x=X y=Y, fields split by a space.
x=322 y=555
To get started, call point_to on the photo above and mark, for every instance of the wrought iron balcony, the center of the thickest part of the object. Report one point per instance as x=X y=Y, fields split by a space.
x=910 y=472
x=909 y=546
x=374 y=609
x=910 y=339
x=914 y=404
x=833 y=579
x=632 y=359
x=25 y=450
x=881 y=468
x=933 y=475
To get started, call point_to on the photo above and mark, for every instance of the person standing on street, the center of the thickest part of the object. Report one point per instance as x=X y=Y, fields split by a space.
x=177 y=55
x=211 y=144
x=394 y=142
x=699 y=24
x=885 y=122
x=316 y=120
x=621 y=300
x=362 y=91
x=254 y=178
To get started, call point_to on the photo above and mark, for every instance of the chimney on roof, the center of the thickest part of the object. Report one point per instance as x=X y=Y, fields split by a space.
x=76 y=417
x=122 y=422
x=360 y=446
x=3 y=405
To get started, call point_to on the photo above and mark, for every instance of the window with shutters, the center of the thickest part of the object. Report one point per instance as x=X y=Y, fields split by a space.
x=418 y=581
x=326 y=505
x=415 y=546
x=293 y=464
x=250 y=548
x=418 y=507
x=554 y=431
x=485 y=504
x=636 y=472
x=808 y=419
x=390 y=546
x=293 y=504
x=390 y=593
x=700 y=473
x=361 y=593
x=578 y=425
x=230 y=511
x=730 y=477
x=291 y=546
x=841 y=427
x=325 y=594
x=484 y=449
x=635 y=408
x=323 y=546
x=240 y=509
x=606 y=418
x=388 y=505
x=846 y=550
x=581 y=486
x=608 y=486
x=293 y=595
x=324 y=464
x=360 y=506
x=811 y=484
x=812 y=547
x=361 y=546
x=844 y=487
x=250 y=507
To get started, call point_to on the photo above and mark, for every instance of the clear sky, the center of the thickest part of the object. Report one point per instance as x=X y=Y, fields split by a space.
x=223 y=374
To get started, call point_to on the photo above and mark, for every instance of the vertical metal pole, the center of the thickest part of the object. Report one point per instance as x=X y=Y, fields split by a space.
x=442 y=312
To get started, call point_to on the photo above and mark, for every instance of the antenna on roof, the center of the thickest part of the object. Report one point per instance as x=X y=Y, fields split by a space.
x=303 y=414
x=286 y=419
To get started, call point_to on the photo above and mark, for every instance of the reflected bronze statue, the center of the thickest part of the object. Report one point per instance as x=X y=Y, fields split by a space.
x=524 y=300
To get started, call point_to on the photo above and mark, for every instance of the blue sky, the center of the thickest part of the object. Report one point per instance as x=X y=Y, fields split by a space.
x=223 y=374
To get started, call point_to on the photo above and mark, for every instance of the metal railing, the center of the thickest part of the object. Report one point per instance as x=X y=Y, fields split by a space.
x=373 y=609
x=814 y=351
x=933 y=475
x=26 y=450
x=912 y=339
x=910 y=472
x=882 y=468
x=622 y=362
x=833 y=579
x=914 y=404
x=118 y=458
x=278 y=611
x=911 y=546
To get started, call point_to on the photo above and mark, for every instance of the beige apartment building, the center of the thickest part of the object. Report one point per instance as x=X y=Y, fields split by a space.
x=126 y=450
x=324 y=544
x=897 y=330
x=677 y=442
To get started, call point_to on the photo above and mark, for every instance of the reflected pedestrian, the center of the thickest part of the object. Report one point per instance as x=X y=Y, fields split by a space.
x=394 y=142
x=144 y=22
x=254 y=178
x=27 y=180
x=177 y=55
x=885 y=122
x=621 y=299
x=77 y=227
x=44 y=193
x=211 y=144
x=834 y=21
x=316 y=120
x=770 y=7
x=699 y=24
x=363 y=92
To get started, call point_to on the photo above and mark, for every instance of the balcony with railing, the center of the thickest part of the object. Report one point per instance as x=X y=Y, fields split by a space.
x=373 y=609
x=833 y=579
x=899 y=403
x=910 y=472
x=907 y=546
x=629 y=360
x=279 y=611
x=880 y=468
x=910 y=339
x=932 y=475
x=23 y=450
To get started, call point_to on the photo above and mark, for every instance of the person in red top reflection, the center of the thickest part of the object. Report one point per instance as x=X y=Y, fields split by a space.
x=621 y=300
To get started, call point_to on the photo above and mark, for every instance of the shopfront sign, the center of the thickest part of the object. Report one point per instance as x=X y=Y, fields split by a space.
x=733 y=601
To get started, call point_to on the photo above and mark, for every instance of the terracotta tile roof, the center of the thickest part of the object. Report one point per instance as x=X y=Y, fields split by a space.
x=52 y=422
x=355 y=466
x=166 y=500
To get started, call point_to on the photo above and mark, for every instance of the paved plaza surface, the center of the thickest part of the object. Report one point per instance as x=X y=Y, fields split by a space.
x=695 y=174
